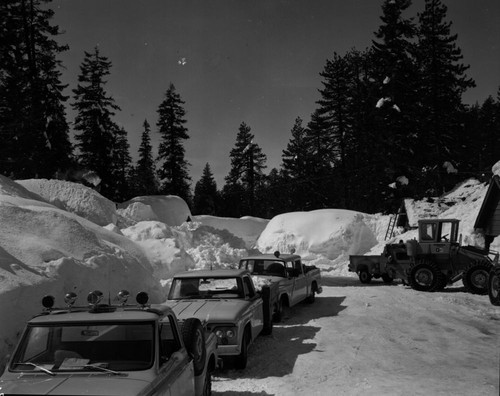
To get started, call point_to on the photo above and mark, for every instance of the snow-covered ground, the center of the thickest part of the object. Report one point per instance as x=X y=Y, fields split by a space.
x=57 y=236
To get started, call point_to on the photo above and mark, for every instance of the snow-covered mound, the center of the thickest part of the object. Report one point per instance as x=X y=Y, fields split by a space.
x=247 y=228
x=168 y=209
x=75 y=198
x=324 y=237
x=46 y=250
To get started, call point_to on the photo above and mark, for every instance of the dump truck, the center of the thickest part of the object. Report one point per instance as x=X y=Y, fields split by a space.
x=432 y=262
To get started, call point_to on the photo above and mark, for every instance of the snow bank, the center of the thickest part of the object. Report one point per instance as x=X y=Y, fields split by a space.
x=168 y=209
x=324 y=237
x=247 y=228
x=75 y=198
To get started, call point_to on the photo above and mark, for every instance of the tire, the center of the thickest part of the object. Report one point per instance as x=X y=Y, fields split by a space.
x=494 y=286
x=425 y=276
x=193 y=336
x=312 y=297
x=365 y=276
x=242 y=359
x=207 y=384
x=387 y=278
x=279 y=314
x=476 y=278
x=267 y=311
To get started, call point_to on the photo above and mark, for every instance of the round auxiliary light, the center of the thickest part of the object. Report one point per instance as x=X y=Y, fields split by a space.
x=123 y=296
x=70 y=298
x=219 y=333
x=48 y=301
x=229 y=334
x=276 y=254
x=94 y=297
x=142 y=298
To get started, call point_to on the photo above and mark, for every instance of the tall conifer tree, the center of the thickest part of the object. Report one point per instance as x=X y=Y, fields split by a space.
x=97 y=134
x=33 y=127
x=173 y=173
x=205 y=199
x=246 y=173
x=441 y=85
x=144 y=179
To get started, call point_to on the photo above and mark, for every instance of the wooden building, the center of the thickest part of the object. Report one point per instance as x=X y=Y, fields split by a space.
x=488 y=218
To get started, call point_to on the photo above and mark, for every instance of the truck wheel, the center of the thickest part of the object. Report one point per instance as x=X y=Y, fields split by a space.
x=312 y=297
x=194 y=340
x=280 y=310
x=207 y=384
x=425 y=276
x=387 y=278
x=476 y=278
x=494 y=286
x=365 y=276
x=242 y=358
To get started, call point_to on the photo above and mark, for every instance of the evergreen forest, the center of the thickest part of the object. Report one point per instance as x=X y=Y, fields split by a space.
x=390 y=123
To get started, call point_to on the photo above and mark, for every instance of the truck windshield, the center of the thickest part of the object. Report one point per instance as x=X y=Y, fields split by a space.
x=187 y=288
x=267 y=267
x=81 y=347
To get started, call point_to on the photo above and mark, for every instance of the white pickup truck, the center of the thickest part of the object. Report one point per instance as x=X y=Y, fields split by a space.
x=104 y=349
x=297 y=282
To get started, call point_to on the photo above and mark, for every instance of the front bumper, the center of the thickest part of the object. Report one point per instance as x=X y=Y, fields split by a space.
x=228 y=350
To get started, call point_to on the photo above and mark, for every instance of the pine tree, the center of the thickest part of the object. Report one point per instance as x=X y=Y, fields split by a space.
x=336 y=111
x=442 y=83
x=246 y=173
x=97 y=137
x=395 y=71
x=173 y=172
x=206 y=198
x=318 y=161
x=121 y=161
x=144 y=179
x=294 y=172
x=33 y=127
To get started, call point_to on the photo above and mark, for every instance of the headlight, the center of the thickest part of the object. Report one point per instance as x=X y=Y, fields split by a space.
x=225 y=335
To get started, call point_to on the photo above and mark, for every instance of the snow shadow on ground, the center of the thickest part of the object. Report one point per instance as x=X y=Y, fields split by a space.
x=322 y=307
x=231 y=393
x=275 y=355
x=348 y=281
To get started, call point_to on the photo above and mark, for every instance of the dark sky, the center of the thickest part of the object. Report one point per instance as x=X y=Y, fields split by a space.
x=234 y=61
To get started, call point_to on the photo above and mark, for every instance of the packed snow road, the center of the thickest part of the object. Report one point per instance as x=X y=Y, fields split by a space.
x=376 y=339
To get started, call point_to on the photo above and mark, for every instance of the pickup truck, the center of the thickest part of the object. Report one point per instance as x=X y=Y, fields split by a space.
x=229 y=303
x=368 y=267
x=104 y=349
x=296 y=282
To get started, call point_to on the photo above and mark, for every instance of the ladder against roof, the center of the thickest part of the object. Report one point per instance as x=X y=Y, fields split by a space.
x=390 y=228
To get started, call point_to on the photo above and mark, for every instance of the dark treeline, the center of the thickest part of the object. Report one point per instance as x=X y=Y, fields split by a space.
x=389 y=123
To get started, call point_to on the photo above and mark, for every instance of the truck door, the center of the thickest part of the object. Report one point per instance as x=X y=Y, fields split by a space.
x=256 y=307
x=300 y=283
x=176 y=373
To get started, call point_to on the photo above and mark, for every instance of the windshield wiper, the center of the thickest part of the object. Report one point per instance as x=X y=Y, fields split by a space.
x=103 y=369
x=47 y=371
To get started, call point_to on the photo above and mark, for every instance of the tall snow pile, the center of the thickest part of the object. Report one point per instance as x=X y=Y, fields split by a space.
x=74 y=198
x=324 y=237
x=168 y=209
x=247 y=228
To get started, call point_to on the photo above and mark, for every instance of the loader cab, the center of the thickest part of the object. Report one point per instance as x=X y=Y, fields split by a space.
x=436 y=235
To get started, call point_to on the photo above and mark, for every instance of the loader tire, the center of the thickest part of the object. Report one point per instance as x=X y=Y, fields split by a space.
x=494 y=286
x=365 y=276
x=476 y=278
x=425 y=276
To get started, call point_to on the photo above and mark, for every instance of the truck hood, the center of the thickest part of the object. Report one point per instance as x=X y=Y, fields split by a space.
x=63 y=384
x=211 y=311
